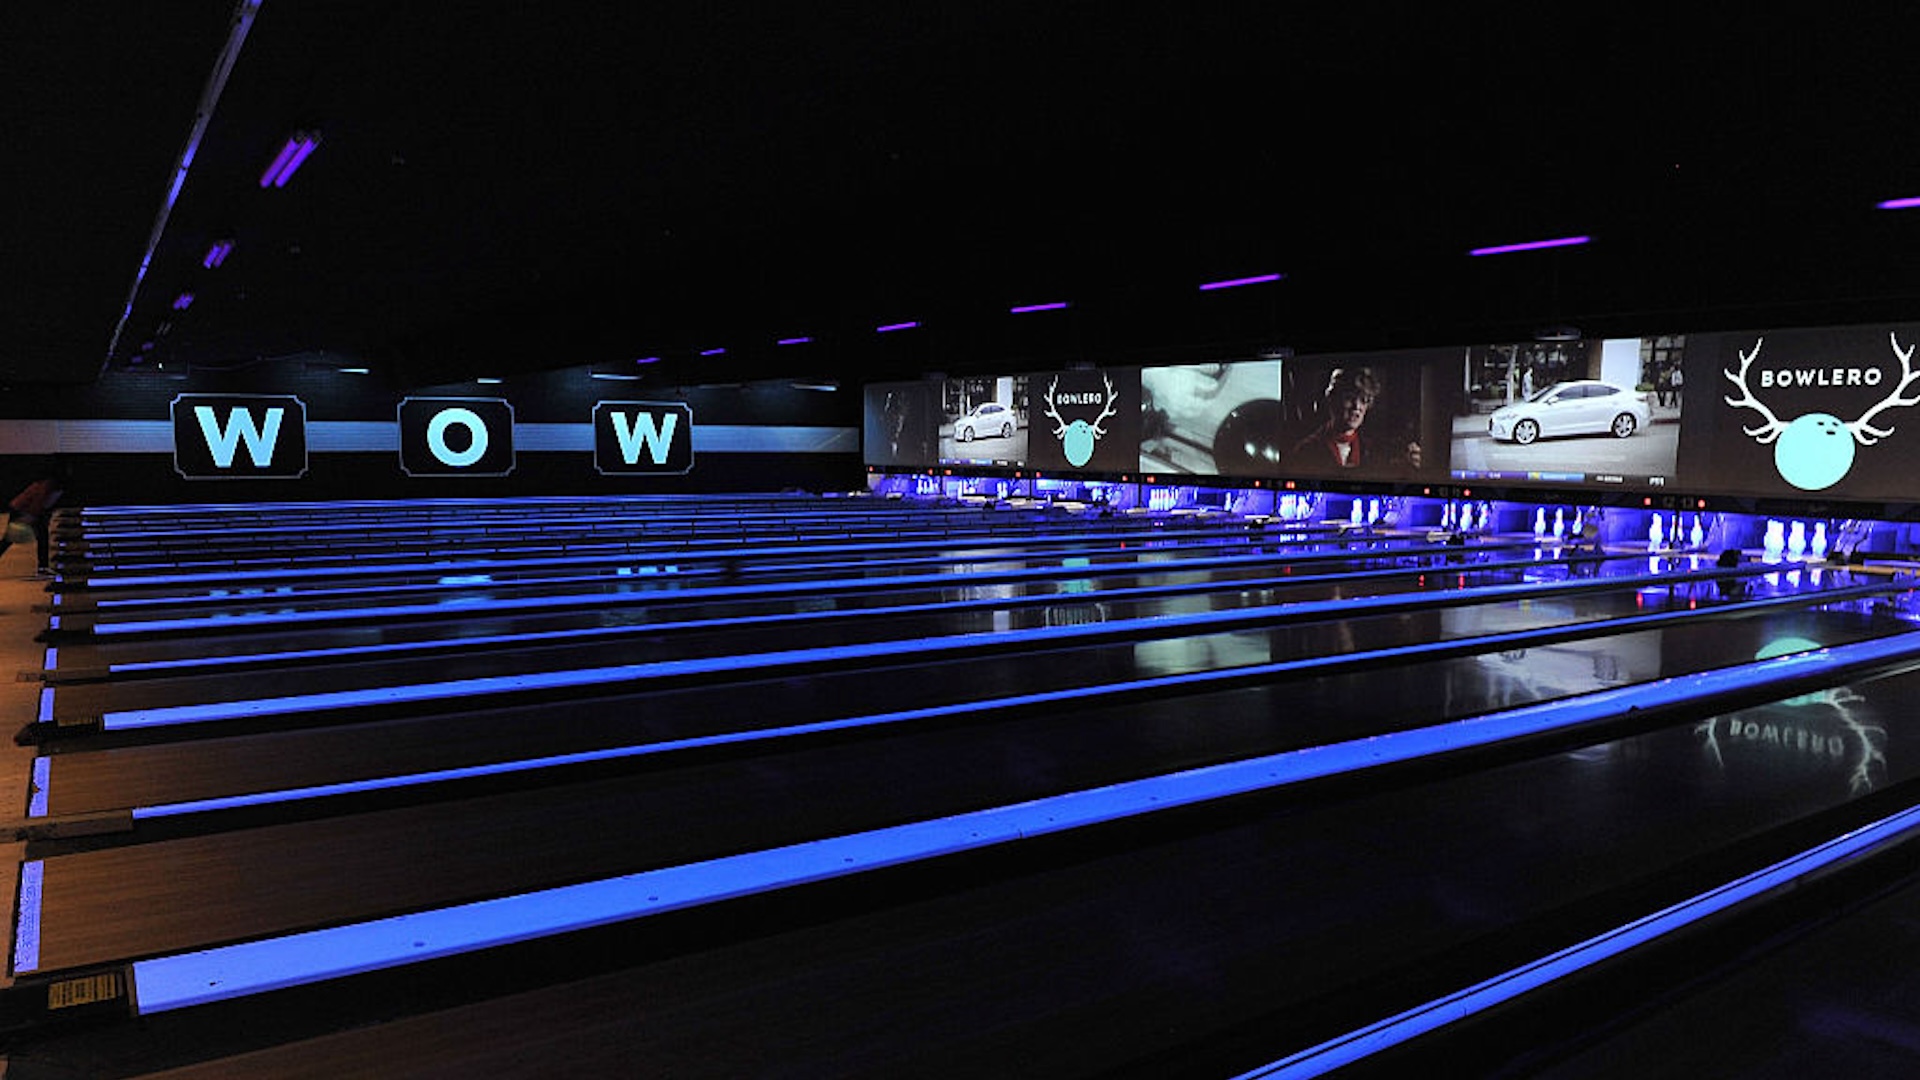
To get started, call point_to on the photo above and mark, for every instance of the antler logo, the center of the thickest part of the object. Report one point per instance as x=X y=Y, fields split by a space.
x=1816 y=451
x=1077 y=438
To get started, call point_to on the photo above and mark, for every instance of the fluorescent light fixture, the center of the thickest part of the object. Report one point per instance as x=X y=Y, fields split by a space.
x=183 y=301
x=1233 y=283
x=824 y=385
x=891 y=327
x=1532 y=245
x=1900 y=204
x=1024 y=308
x=487 y=380
x=793 y=341
x=621 y=378
x=290 y=158
x=712 y=352
x=354 y=371
x=217 y=254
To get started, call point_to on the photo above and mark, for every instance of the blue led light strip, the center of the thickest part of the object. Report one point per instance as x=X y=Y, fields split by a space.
x=230 y=971
x=1421 y=1019
x=812 y=587
x=1303 y=609
x=1219 y=621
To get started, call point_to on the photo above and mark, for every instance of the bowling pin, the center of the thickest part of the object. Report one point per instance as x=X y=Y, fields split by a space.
x=1559 y=523
x=1655 y=534
x=1358 y=514
x=1819 y=547
x=1539 y=522
x=1776 y=540
x=1698 y=534
x=1797 y=540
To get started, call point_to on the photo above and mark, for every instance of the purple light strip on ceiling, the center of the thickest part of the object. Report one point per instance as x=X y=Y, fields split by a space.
x=1232 y=283
x=794 y=341
x=891 y=327
x=1532 y=245
x=647 y=360
x=1037 y=307
x=217 y=254
x=712 y=352
x=290 y=158
x=203 y=115
x=183 y=301
x=1900 y=204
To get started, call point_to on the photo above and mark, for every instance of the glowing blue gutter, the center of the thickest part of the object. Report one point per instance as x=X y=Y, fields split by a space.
x=230 y=971
x=1346 y=1049
x=1450 y=598
x=1159 y=626
x=1191 y=681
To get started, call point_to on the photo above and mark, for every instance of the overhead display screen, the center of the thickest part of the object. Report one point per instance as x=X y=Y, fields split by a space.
x=1368 y=416
x=984 y=420
x=902 y=425
x=1087 y=421
x=1220 y=419
x=1583 y=413
x=1828 y=413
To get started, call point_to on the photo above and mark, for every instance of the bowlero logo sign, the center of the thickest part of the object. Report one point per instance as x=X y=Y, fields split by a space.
x=239 y=437
x=456 y=436
x=642 y=437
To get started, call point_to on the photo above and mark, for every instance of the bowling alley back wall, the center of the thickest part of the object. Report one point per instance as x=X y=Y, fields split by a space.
x=316 y=432
x=1807 y=416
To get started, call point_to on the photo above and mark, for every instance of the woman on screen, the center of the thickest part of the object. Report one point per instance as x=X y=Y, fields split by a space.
x=1337 y=442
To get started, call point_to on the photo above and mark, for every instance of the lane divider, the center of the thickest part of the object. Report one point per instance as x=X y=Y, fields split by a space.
x=1364 y=1042
x=812 y=658
x=225 y=972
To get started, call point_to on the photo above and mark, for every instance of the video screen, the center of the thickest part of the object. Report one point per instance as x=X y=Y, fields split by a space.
x=1222 y=419
x=902 y=425
x=1832 y=413
x=1368 y=416
x=984 y=420
x=1086 y=421
x=1586 y=413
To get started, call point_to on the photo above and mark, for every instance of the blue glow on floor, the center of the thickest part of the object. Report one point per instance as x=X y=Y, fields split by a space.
x=42 y=779
x=230 y=971
x=1392 y=1031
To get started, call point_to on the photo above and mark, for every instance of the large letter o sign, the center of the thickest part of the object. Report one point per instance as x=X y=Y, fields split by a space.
x=446 y=436
x=437 y=437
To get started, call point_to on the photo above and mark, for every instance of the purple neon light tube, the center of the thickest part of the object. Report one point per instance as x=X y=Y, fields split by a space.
x=794 y=341
x=712 y=352
x=1037 y=307
x=890 y=327
x=1231 y=283
x=289 y=159
x=1900 y=204
x=1532 y=245
x=217 y=254
x=183 y=301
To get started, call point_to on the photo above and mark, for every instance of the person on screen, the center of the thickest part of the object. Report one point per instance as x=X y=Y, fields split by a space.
x=1338 y=442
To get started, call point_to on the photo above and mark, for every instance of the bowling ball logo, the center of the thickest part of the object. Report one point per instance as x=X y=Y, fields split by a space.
x=1816 y=451
x=1077 y=438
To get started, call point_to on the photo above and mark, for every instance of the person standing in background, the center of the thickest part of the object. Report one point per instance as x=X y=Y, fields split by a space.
x=32 y=508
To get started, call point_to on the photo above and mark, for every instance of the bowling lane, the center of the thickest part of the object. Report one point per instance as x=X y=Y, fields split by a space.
x=510 y=667
x=182 y=774
x=672 y=570
x=421 y=629
x=1198 y=943
x=199 y=889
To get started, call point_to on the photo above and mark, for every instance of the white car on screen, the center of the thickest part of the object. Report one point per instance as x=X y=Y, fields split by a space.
x=1579 y=407
x=987 y=420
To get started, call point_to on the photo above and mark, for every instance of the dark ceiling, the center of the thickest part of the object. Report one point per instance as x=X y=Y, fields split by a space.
x=504 y=188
